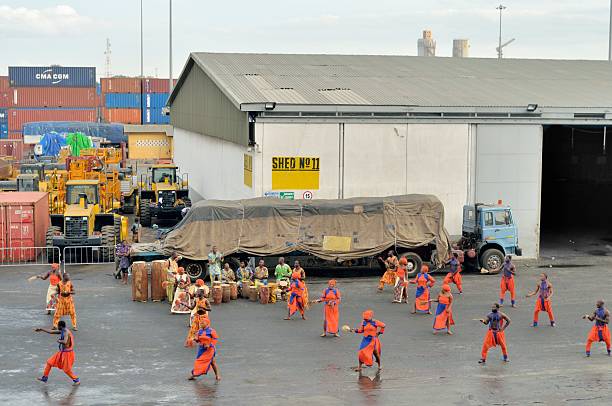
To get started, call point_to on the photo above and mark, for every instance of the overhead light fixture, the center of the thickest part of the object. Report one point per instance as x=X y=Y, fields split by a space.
x=270 y=105
x=531 y=107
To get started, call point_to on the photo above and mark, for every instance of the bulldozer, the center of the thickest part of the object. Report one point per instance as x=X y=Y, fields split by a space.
x=86 y=221
x=163 y=195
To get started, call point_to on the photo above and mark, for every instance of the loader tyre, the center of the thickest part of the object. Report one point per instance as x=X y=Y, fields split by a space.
x=108 y=243
x=145 y=213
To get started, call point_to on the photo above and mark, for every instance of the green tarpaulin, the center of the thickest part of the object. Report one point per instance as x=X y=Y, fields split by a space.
x=77 y=142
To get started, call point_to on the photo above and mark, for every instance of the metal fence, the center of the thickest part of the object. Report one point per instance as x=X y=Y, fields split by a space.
x=23 y=256
x=88 y=255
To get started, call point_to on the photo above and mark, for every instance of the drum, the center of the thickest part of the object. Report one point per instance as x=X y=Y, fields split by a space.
x=233 y=290
x=225 y=295
x=140 y=282
x=273 y=288
x=246 y=287
x=264 y=294
x=217 y=294
x=253 y=293
x=158 y=275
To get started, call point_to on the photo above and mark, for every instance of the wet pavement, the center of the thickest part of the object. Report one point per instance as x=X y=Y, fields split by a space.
x=132 y=353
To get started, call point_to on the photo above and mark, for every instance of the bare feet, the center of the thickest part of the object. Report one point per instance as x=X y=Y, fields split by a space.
x=287 y=318
x=379 y=367
x=336 y=335
x=357 y=369
x=412 y=312
x=75 y=329
x=450 y=333
x=191 y=378
x=304 y=317
x=218 y=377
x=48 y=312
x=323 y=334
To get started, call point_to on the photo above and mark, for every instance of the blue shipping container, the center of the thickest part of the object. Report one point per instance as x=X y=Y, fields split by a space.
x=154 y=116
x=3 y=123
x=52 y=76
x=154 y=100
x=122 y=100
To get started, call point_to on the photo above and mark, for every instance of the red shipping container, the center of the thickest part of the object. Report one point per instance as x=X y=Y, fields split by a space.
x=15 y=135
x=4 y=84
x=5 y=99
x=24 y=219
x=120 y=85
x=124 y=116
x=18 y=117
x=11 y=148
x=150 y=85
x=54 y=97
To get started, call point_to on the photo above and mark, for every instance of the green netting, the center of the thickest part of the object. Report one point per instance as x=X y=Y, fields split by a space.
x=77 y=142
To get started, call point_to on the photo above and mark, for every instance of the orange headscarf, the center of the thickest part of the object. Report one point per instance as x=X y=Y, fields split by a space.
x=424 y=269
x=403 y=261
x=446 y=288
x=204 y=322
x=368 y=315
x=199 y=282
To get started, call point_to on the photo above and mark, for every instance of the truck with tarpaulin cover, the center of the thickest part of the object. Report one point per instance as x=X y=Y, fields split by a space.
x=323 y=233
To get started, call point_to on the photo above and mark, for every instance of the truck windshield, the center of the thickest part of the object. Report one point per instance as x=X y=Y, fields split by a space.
x=73 y=192
x=161 y=174
x=502 y=218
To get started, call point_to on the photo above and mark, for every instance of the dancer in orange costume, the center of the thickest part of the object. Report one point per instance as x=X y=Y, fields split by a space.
x=65 y=303
x=507 y=281
x=544 y=290
x=207 y=350
x=444 y=312
x=454 y=275
x=497 y=322
x=64 y=358
x=600 y=331
x=400 y=294
x=370 y=347
x=331 y=298
x=296 y=297
x=388 y=277
x=54 y=278
x=424 y=282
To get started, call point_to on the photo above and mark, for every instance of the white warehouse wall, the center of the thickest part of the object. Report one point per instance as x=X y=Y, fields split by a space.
x=215 y=166
x=509 y=168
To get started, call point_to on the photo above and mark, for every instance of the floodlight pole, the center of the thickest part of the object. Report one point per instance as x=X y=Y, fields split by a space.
x=610 y=34
x=171 y=82
x=141 y=44
x=501 y=7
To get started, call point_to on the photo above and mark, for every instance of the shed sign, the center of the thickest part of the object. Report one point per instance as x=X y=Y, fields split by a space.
x=295 y=172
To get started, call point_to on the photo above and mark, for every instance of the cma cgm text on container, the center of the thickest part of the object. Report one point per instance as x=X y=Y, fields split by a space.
x=52 y=76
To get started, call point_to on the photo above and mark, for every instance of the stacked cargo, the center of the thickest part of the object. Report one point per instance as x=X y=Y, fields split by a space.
x=155 y=93
x=122 y=100
x=24 y=219
x=51 y=93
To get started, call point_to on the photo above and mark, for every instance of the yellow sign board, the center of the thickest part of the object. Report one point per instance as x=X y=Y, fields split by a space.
x=248 y=170
x=295 y=173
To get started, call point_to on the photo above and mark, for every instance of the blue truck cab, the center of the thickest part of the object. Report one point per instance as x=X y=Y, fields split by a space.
x=491 y=232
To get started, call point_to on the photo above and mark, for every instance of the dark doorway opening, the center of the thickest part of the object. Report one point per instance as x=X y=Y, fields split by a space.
x=576 y=212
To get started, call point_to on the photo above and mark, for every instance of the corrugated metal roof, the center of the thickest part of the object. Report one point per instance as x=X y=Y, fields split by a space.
x=407 y=80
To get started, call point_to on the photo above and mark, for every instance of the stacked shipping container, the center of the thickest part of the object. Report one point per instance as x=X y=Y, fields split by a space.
x=52 y=93
x=24 y=219
x=155 y=93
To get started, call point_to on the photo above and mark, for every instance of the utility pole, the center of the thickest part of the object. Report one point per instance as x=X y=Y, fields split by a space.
x=141 y=44
x=170 y=84
x=501 y=7
x=610 y=35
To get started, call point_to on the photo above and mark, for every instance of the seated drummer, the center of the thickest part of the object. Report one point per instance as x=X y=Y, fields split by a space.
x=227 y=274
x=244 y=273
x=261 y=273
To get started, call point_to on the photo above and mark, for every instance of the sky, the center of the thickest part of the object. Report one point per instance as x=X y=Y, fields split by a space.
x=73 y=33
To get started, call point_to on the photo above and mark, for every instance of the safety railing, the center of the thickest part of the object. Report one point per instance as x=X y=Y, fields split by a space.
x=88 y=255
x=23 y=256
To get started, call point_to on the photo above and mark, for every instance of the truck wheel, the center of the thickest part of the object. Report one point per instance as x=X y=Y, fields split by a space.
x=108 y=243
x=145 y=213
x=52 y=256
x=195 y=270
x=413 y=259
x=117 y=227
x=492 y=259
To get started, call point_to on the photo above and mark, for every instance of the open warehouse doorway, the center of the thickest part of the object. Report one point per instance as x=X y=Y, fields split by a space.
x=576 y=210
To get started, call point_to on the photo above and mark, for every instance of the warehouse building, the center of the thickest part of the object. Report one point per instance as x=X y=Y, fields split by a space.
x=529 y=133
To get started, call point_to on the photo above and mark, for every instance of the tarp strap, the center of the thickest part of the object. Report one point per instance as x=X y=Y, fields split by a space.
x=241 y=228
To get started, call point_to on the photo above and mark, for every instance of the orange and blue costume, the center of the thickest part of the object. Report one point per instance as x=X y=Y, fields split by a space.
x=207 y=350
x=543 y=304
x=65 y=304
x=331 y=298
x=296 y=297
x=454 y=275
x=599 y=333
x=507 y=282
x=444 y=312
x=424 y=282
x=63 y=359
x=370 y=344
x=495 y=336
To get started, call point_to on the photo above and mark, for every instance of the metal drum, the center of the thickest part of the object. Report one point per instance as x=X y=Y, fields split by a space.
x=264 y=294
x=158 y=275
x=225 y=295
x=233 y=290
x=217 y=294
x=140 y=282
